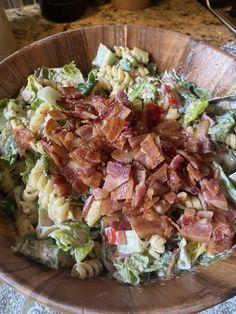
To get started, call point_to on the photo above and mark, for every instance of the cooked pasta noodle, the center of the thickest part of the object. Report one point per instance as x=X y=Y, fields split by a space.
x=172 y=114
x=230 y=140
x=38 y=185
x=193 y=202
x=156 y=245
x=122 y=52
x=39 y=117
x=87 y=269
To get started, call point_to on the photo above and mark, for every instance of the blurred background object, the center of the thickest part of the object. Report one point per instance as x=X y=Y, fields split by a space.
x=7 y=40
x=62 y=10
x=225 y=10
x=131 y=5
x=97 y=2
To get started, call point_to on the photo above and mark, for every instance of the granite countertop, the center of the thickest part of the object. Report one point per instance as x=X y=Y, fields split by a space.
x=186 y=16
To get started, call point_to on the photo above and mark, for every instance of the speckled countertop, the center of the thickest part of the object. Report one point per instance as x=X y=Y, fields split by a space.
x=185 y=16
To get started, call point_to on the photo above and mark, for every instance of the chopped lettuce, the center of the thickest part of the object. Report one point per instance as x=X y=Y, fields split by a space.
x=133 y=243
x=68 y=74
x=46 y=164
x=43 y=251
x=30 y=161
x=104 y=56
x=227 y=183
x=224 y=123
x=206 y=259
x=85 y=88
x=140 y=55
x=145 y=89
x=49 y=96
x=29 y=93
x=125 y=64
x=134 y=268
x=195 y=250
x=74 y=237
x=3 y=120
x=8 y=147
x=184 y=260
x=194 y=110
x=8 y=207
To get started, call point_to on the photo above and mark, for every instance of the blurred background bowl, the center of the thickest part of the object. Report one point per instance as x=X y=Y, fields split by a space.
x=189 y=292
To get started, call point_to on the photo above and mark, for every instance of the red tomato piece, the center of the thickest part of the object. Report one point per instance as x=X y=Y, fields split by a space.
x=115 y=237
x=171 y=96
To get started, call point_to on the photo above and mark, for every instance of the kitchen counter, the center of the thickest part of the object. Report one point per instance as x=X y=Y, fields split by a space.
x=186 y=16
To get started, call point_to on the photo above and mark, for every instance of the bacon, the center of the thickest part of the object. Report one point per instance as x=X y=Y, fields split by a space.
x=23 y=137
x=93 y=180
x=109 y=206
x=160 y=175
x=195 y=228
x=212 y=186
x=125 y=157
x=117 y=174
x=212 y=194
x=175 y=183
x=136 y=140
x=124 y=191
x=63 y=187
x=147 y=225
x=194 y=173
x=67 y=139
x=87 y=205
x=58 y=154
x=176 y=162
x=71 y=92
x=151 y=152
x=170 y=197
x=100 y=193
x=139 y=194
x=112 y=128
x=85 y=132
x=222 y=235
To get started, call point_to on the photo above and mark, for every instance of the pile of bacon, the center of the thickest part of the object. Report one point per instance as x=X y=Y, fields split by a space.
x=139 y=166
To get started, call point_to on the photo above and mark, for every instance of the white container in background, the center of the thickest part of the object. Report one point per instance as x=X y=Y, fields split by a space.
x=7 y=41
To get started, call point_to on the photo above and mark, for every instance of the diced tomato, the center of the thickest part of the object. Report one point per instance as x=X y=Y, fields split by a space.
x=115 y=237
x=155 y=114
x=171 y=97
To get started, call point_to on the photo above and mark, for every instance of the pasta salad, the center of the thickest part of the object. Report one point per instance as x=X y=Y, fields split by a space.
x=127 y=171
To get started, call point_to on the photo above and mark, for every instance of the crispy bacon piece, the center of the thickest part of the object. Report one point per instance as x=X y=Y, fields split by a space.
x=124 y=191
x=23 y=137
x=175 y=182
x=100 y=193
x=194 y=227
x=170 y=197
x=125 y=157
x=135 y=141
x=222 y=235
x=139 y=194
x=176 y=162
x=160 y=175
x=63 y=187
x=212 y=195
x=113 y=127
x=151 y=223
x=85 y=132
x=117 y=174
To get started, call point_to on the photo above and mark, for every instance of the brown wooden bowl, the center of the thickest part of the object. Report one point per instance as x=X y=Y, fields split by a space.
x=189 y=292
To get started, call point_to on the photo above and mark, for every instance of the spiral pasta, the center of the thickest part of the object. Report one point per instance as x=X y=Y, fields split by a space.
x=193 y=202
x=87 y=269
x=122 y=52
x=140 y=71
x=230 y=140
x=114 y=78
x=38 y=185
x=172 y=114
x=156 y=245
x=39 y=117
x=37 y=147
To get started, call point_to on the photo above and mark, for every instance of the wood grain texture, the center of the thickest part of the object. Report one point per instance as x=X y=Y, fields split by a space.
x=189 y=292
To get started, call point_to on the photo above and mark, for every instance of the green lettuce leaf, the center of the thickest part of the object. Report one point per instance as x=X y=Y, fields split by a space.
x=29 y=93
x=184 y=260
x=8 y=147
x=227 y=183
x=49 y=96
x=224 y=123
x=85 y=88
x=126 y=65
x=194 y=110
x=73 y=237
x=30 y=160
x=205 y=259
x=43 y=251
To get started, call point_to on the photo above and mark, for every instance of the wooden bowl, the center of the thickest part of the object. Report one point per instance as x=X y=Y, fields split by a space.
x=189 y=292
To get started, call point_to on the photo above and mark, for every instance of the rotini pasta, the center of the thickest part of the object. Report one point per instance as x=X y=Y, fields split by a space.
x=39 y=117
x=38 y=185
x=230 y=140
x=87 y=269
x=156 y=245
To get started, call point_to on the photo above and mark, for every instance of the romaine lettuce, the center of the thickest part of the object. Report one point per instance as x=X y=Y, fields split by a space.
x=224 y=123
x=194 y=110
x=85 y=88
